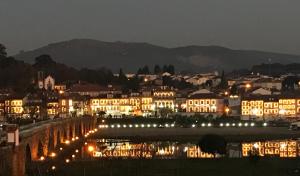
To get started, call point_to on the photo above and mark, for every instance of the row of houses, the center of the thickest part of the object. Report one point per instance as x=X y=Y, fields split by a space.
x=85 y=99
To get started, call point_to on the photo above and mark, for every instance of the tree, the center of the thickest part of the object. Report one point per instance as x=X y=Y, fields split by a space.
x=145 y=70
x=164 y=112
x=101 y=113
x=122 y=77
x=165 y=68
x=171 y=69
x=223 y=84
x=157 y=69
x=234 y=89
x=3 y=50
x=44 y=61
x=139 y=72
x=289 y=82
x=213 y=144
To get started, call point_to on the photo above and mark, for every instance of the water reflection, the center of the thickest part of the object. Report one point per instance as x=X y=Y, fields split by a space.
x=283 y=148
x=114 y=148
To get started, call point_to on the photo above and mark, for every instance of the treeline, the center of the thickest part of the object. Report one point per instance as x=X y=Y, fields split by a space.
x=157 y=70
x=20 y=76
x=276 y=69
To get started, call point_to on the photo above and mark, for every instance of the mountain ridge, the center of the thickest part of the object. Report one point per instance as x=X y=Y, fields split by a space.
x=91 y=53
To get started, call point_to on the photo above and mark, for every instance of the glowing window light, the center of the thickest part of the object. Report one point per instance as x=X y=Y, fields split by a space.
x=256 y=146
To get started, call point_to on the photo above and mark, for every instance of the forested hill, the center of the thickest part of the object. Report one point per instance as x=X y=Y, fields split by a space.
x=89 y=53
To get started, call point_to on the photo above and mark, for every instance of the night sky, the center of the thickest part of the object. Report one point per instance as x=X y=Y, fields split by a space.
x=270 y=25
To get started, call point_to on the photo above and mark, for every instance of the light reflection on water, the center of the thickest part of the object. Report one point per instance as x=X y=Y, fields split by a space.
x=117 y=148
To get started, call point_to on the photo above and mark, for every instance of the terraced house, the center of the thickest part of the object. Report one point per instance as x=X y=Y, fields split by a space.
x=270 y=107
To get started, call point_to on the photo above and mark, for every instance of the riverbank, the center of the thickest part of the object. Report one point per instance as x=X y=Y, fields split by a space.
x=178 y=167
x=194 y=134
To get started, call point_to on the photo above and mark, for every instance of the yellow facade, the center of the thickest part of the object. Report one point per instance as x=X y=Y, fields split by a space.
x=164 y=98
x=253 y=107
x=283 y=107
x=287 y=107
x=202 y=105
x=123 y=105
x=270 y=108
x=14 y=106
x=52 y=108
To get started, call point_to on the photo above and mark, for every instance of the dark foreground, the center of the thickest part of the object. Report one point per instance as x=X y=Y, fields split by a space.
x=184 y=167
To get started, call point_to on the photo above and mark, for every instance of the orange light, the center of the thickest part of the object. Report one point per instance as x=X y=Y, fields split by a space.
x=52 y=154
x=91 y=148
x=227 y=110
x=248 y=86
x=42 y=158
x=67 y=142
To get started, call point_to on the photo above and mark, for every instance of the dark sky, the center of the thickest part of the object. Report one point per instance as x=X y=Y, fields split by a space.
x=271 y=25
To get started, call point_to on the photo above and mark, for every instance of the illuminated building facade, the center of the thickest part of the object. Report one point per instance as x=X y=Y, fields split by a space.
x=65 y=105
x=118 y=105
x=14 y=106
x=52 y=109
x=164 y=97
x=270 y=107
x=205 y=103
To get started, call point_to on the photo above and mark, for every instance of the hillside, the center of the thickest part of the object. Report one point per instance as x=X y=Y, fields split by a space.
x=89 y=53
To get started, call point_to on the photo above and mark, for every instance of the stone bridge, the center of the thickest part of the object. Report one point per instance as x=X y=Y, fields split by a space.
x=40 y=141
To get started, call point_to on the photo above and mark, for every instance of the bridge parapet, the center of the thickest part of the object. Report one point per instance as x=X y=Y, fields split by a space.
x=38 y=140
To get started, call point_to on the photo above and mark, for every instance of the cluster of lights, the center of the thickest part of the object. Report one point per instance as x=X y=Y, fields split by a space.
x=137 y=126
x=67 y=142
x=202 y=125
x=246 y=124
x=91 y=132
x=252 y=124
